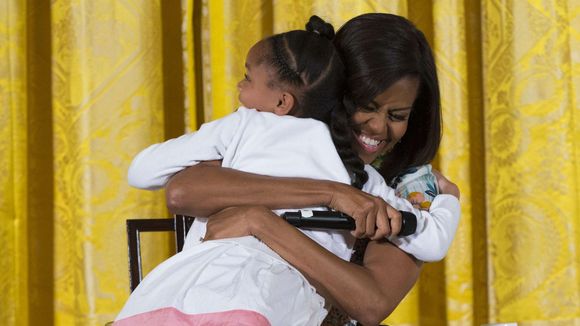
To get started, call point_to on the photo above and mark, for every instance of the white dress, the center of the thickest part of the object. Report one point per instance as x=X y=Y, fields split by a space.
x=242 y=275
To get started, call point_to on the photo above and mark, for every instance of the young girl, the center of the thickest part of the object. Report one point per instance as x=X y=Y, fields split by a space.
x=290 y=75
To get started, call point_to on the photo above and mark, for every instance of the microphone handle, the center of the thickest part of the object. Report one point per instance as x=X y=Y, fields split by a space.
x=341 y=221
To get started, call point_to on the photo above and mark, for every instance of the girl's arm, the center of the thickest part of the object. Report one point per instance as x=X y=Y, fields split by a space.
x=445 y=185
x=368 y=293
x=435 y=228
x=436 y=231
x=153 y=166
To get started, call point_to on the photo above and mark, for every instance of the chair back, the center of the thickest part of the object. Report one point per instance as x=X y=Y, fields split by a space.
x=179 y=224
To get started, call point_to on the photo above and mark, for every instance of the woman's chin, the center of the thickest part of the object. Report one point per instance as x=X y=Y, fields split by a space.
x=366 y=156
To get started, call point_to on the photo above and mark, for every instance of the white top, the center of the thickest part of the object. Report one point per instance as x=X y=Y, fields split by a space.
x=286 y=146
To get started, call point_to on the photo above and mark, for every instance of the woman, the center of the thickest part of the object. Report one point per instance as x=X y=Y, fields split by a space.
x=394 y=100
x=393 y=88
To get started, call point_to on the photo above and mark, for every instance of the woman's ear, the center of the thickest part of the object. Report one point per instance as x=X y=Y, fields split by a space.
x=285 y=104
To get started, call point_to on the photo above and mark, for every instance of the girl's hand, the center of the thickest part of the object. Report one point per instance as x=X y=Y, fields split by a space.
x=236 y=221
x=445 y=185
x=374 y=218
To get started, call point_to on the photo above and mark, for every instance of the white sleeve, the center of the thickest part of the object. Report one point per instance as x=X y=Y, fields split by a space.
x=152 y=167
x=435 y=228
x=431 y=241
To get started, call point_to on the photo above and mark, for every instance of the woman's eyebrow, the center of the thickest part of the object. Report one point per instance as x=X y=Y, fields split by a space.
x=376 y=106
x=401 y=109
x=247 y=65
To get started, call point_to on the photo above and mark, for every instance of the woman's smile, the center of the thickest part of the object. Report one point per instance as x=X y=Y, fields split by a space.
x=369 y=144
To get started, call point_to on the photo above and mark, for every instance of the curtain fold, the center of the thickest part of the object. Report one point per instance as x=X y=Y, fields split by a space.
x=450 y=47
x=13 y=162
x=85 y=85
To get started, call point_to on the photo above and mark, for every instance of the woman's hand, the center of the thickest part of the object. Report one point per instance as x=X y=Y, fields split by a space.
x=236 y=221
x=367 y=293
x=364 y=292
x=374 y=218
x=445 y=185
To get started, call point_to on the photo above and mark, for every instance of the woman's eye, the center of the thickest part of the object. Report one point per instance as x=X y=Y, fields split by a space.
x=397 y=117
x=368 y=109
x=246 y=77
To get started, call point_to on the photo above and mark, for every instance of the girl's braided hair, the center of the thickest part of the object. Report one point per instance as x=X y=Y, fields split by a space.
x=308 y=64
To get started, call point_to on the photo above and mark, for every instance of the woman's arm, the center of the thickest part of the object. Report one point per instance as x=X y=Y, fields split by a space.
x=205 y=189
x=368 y=293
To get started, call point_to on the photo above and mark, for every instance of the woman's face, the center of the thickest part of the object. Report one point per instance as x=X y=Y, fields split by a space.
x=380 y=126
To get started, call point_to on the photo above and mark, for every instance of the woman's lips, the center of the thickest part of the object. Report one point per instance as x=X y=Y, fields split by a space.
x=369 y=144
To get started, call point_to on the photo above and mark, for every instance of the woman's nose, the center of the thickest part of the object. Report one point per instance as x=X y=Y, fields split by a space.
x=377 y=125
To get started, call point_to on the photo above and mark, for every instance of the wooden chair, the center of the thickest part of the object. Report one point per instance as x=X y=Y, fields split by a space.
x=179 y=224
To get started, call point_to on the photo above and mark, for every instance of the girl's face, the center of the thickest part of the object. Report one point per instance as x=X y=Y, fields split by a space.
x=380 y=126
x=255 y=89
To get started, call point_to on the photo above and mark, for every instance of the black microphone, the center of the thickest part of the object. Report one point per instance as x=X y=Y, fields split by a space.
x=338 y=220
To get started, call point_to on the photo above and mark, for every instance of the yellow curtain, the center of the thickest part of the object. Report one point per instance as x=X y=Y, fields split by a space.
x=84 y=85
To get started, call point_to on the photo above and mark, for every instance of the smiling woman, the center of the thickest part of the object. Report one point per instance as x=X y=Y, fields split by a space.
x=380 y=125
x=390 y=67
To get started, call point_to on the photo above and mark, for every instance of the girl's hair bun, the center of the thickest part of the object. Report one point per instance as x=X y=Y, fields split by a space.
x=319 y=26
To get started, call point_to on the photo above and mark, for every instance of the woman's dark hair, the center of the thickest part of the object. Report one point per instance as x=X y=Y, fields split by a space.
x=379 y=50
x=307 y=63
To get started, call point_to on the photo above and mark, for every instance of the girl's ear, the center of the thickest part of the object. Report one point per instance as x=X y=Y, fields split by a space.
x=285 y=104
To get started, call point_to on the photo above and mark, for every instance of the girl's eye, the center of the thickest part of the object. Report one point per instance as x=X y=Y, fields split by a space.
x=246 y=77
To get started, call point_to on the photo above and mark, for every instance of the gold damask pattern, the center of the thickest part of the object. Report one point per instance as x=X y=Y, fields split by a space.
x=189 y=35
x=532 y=185
x=107 y=105
x=510 y=82
x=234 y=26
x=13 y=165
